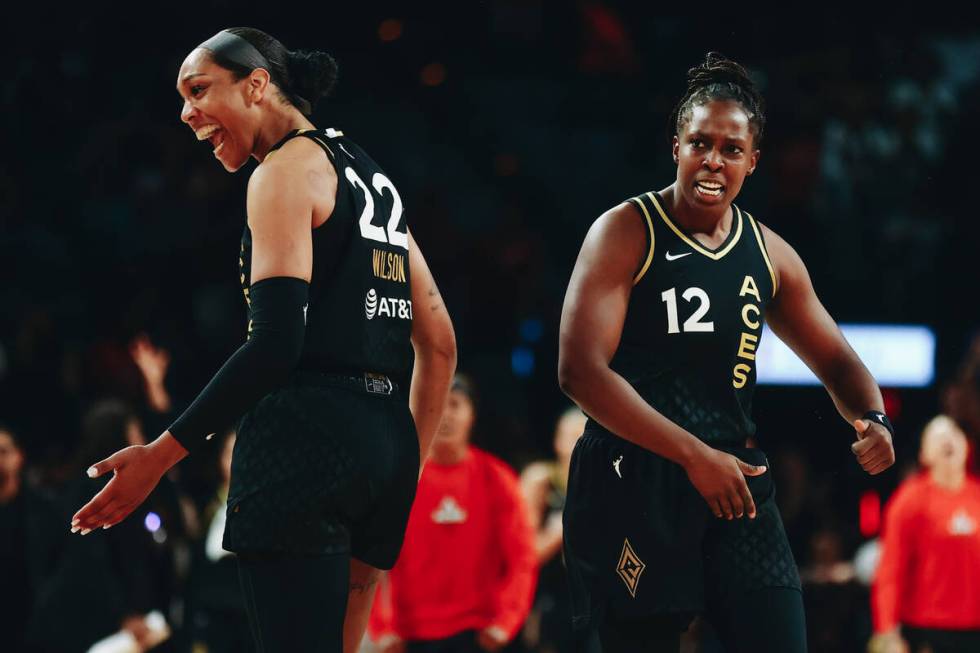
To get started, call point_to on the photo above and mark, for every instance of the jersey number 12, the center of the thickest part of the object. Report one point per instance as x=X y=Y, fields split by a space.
x=693 y=323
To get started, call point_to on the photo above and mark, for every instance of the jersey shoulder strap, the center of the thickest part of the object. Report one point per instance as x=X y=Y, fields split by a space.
x=642 y=202
x=757 y=231
x=320 y=136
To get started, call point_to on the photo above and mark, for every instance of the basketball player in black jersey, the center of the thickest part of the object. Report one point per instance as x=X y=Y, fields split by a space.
x=341 y=382
x=668 y=514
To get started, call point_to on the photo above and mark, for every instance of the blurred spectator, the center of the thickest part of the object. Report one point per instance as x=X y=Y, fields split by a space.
x=110 y=579
x=466 y=574
x=961 y=398
x=30 y=534
x=836 y=601
x=827 y=563
x=157 y=407
x=153 y=362
x=797 y=495
x=217 y=622
x=549 y=627
x=926 y=594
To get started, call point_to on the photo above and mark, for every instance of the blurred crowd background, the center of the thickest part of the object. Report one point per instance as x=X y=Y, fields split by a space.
x=508 y=126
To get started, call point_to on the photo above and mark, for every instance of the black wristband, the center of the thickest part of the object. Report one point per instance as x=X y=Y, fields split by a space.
x=881 y=419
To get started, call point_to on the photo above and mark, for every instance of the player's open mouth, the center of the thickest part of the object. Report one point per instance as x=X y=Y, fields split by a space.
x=213 y=134
x=709 y=188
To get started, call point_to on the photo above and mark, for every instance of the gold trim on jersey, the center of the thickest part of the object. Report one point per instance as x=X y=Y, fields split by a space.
x=649 y=259
x=695 y=245
x=765 y=254
x=332 y=155
x=300 y=132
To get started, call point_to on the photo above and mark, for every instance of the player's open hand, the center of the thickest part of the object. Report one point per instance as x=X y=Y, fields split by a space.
x=873 y=449
x=720 y=478
x=136 y=471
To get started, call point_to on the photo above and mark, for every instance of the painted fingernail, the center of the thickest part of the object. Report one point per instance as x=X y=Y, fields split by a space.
x=107 y=526
x=86 y=531
x=74 y=522
x=75 y=529
x=91 y=471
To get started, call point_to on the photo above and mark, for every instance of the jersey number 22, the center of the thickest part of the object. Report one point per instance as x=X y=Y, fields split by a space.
x=373 y=231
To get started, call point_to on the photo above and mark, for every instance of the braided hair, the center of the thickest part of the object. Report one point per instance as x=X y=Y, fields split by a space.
x=718 y=78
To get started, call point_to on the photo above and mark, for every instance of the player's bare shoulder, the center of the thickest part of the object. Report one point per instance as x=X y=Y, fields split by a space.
x=306 y=156
x=621 y=222
x=616 y=240
x=299 y=167
x=788 y=265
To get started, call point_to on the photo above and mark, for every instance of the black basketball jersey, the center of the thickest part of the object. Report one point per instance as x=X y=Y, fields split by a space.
x=359 y=316
x=694 y=323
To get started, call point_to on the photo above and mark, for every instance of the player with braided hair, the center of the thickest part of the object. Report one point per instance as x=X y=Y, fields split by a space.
x=668 y=513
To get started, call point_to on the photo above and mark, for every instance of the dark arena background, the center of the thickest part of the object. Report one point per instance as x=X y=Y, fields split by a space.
x=508 y=126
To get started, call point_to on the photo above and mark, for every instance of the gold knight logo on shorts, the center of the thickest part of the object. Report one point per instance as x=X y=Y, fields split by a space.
x=630 y=567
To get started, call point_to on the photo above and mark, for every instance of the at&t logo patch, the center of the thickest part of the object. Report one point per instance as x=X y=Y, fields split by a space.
x=375 y=306
x=371 y=304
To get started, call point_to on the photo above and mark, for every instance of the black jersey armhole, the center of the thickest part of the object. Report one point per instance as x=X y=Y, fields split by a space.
x=761 y=238
x=316 y=137
x=312 y=134
x=644 y=264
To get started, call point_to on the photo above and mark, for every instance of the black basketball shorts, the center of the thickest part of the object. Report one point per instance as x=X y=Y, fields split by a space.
x=639 y=541
x=319 y=469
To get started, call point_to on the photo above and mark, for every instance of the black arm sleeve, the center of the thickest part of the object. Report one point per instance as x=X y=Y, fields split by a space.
x=262 y=364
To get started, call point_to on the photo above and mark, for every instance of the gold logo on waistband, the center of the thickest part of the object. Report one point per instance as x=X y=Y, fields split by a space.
x=630 y=567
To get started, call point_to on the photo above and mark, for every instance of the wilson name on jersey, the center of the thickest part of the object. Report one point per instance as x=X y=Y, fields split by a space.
x=359 y=317
x=694 y=323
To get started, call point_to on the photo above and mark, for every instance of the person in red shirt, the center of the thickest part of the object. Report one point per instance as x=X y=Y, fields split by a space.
x=926 y=593
x=466 y=574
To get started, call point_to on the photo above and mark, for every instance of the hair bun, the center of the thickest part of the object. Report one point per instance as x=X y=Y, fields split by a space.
x=716 y=69
x=312 y=74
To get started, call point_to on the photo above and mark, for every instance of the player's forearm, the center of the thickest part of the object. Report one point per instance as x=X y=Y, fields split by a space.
x=431 y=378
x=851 y=386
x=167 y=450
x=609 y=399
x=258 y=367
